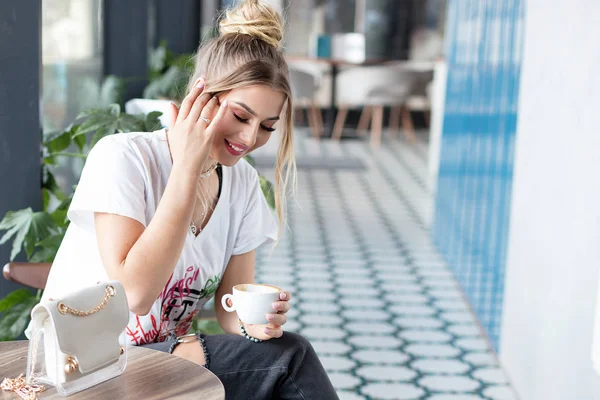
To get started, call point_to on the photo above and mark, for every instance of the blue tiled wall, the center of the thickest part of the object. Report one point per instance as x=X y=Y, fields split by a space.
x=483 y=48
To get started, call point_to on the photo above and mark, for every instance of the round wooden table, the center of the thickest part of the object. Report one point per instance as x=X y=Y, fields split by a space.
x=149 y=375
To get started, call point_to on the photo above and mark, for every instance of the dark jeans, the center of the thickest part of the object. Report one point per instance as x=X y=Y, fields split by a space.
x=284 y=368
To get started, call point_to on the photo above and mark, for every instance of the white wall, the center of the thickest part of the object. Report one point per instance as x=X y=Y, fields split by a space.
x=554 y=242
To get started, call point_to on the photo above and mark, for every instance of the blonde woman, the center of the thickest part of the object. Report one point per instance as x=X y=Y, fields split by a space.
x=176 y=215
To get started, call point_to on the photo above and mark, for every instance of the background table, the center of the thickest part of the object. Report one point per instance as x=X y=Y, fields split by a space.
x=149 y=375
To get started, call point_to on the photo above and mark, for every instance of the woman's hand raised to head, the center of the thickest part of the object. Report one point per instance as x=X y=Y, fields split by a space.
x=192 y=129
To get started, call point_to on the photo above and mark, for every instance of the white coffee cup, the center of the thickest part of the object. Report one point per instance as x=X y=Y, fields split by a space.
x=252 y=301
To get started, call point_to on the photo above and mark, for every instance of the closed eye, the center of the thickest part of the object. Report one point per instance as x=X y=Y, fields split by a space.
x=245 y=120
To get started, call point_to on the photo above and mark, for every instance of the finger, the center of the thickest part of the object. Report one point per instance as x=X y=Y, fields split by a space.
x=274 y=333
x=281 y=306
x=199 y=105
x=276 y=319
x=207 y=110
x=174 y=113
x=286 y=296
x=215 y=121
x=190 y=99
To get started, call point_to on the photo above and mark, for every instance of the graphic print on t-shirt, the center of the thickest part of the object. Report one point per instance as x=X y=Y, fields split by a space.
x=180 y=302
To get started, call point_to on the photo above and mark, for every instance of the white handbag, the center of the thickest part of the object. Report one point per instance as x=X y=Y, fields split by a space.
x=76 y=341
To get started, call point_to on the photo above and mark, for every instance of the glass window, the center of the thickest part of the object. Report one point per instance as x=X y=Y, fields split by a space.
x=71 y=70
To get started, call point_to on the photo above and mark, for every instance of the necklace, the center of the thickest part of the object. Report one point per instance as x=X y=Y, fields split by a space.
x=196 y=229
x=209 y=171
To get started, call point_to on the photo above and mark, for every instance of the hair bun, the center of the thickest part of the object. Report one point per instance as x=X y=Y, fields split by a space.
x=254 y=18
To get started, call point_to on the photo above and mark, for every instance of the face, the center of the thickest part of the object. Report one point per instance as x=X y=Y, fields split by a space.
x=252 y=114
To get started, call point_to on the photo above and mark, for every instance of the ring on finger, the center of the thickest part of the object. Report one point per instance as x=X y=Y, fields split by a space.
x=203 y=118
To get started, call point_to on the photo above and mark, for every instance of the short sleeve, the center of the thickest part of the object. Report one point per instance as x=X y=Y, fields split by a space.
x=112 y=181
x=258 y=225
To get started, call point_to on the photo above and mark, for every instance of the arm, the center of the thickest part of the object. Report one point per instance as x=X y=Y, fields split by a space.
x=143 y=260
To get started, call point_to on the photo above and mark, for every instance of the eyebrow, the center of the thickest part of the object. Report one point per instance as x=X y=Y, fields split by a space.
x=254 y=113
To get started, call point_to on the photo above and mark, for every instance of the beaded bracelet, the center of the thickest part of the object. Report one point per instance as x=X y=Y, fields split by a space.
x=245 y=334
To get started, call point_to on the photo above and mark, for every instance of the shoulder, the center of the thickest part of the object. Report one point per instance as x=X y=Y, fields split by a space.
x=133 y=147
x=129 y=141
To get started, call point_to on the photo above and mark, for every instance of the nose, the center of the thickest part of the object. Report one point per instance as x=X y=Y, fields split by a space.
x=248 y=136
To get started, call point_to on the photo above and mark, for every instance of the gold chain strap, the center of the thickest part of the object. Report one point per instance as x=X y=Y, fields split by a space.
x=65 y=309
x=22 y=388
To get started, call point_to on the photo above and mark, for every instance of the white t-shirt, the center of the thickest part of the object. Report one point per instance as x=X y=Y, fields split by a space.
x=126 y=174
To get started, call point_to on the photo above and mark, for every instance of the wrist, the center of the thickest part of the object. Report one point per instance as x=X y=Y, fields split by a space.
x=245 y=333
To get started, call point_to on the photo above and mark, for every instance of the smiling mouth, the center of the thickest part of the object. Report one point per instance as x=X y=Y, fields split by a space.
x=234 y=148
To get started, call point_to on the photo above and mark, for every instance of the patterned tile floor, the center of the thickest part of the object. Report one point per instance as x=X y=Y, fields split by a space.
x=377 y=301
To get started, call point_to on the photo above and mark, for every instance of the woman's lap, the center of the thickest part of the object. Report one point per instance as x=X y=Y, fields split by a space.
x=286 y=368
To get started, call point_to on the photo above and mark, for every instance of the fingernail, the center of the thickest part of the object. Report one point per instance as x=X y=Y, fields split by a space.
x=282 y=296
x=224 y=103
x=267 y=331
x=270 y=317
x=200 y=83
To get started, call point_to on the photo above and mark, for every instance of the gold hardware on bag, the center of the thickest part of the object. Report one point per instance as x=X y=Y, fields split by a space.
x=71 y=365
x=65 y=309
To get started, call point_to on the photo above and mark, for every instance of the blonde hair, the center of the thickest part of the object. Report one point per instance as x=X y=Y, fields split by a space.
x=247 y=52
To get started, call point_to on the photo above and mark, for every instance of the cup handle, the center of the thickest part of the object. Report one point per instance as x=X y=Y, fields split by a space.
x=224 y=302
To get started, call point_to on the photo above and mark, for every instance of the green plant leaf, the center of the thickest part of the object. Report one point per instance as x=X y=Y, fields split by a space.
x=268 y=191
x=14 y=298
x=104 y=131
x=92 y=124
x=58 y=142
x=79 y=140
x=28 y=228
x=115 y=109
x=207 y=326
x=169 y=85
x=48 y=160
x=157 y=60
x=45 y=198
x=59 y=216
x=130 y=123
x=46 y=249
x=183 y=61
x=41 y=226
x=43 y=255
x=91 y=113
x=250 y=160
x=111 y=90
x=17 y=224
x=152 y=122
x=49 y=183
x=15 y=319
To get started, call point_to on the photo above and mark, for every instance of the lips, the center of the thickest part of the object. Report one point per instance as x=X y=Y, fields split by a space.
x=234 y=148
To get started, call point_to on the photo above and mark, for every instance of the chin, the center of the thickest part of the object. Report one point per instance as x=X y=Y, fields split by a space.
x=226 y=159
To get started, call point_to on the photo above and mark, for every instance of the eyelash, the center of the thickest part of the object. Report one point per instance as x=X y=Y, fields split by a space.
x=245 y=120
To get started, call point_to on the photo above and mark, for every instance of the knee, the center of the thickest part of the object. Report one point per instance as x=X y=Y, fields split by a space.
x=297 y=342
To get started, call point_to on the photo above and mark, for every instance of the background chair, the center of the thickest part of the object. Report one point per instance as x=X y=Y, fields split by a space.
x=373 y=88
x=304 y=87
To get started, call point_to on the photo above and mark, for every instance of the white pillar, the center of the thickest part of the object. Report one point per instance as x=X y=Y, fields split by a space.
x=554 y=241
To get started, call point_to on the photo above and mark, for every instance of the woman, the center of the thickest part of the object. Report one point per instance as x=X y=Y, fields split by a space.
x=176 y=216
